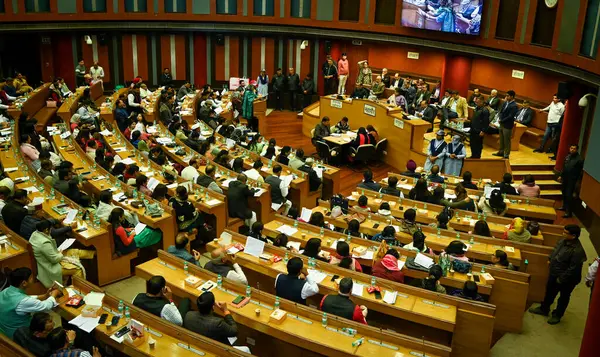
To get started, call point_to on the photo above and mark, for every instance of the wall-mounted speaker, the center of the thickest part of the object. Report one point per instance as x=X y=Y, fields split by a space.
x=564 y=90
x=327 y=47
x=220 y=39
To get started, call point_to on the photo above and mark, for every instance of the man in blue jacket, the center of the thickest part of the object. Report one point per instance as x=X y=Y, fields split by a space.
x=507 y=122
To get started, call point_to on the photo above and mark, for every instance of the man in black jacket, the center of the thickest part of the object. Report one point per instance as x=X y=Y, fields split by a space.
x=293 y=86
x=479 y=124
x=166 y=79
x=308 y=88
x=426 y=112
x=569 y=176
x=368 y=183
x=237 y=200
x=507 y=121
x=524 y=114
x=566 y=262
x=14 y=210
x=278 y=84
x=314 y=182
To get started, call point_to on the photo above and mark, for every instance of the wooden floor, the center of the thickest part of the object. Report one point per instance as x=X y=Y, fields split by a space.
x=286 y=128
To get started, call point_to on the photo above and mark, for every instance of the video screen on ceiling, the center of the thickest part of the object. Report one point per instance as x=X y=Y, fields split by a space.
x=455 y=16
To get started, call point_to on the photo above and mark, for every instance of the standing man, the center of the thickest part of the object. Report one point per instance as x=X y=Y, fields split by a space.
x=237 y=197
x=293 y=86
x=97 y=72
x=555 y=110
x=330 y=73
x=385 y=78
x=436 y=151
x=278 y=83
x=80 y=73
x=343 y=71
x=569 y=176
x=507 y=121
x=166 y=79
x=308 y=88
x=566 y=262
x=479 y=123
x=455 y=155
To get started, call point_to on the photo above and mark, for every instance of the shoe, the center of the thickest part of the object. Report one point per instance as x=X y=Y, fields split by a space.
x=498 y=154
x=567 y=215
x=561 y=208
x=538 y=311
x=549 y=151
x=538 y=150
x=553 y=320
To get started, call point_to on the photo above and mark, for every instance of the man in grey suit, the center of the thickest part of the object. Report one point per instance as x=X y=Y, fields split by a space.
x=507 y=122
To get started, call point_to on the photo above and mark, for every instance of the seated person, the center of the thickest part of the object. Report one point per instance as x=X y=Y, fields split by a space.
x=314 y=181
x=16 y=306
x=343 y=252
x=68 y=185
x=462 y=200
x=317 y=219
x=362 y=205
x=387 y=268
x=399 y=99
x=224 y=264
x=469 y=291
x=456 y=251
x=353 y=229
x=474 y=96
x=208 y=179
x=279 y=189
x=388 y=235
x=517 y=231
x=321 y=130
x=528 y=188
x=434 y=176
x=298 y=160
x=105 y=207
x=426 y=112
x=494 y=205
x=33 y=338
x=506 y=185
x=296 y=285
x=362 y=138
x=158 y=300
x=256 y=231
x=342 y=126
x=524 y=114
x=409 y=222
x=180 y=249
x=125 y=237
x=283 y=157
x=312 y=249
x=442 y=220
x=467 y=181
x=360 y=92
x=437 y=195
x=61 y=343
x=385 y=211
x=500 y=260
x=368 y=183
x=418 y=243
x=254 y=172
x=206 y=323
x=411 y=166
x=481 y=228
x=432 y=281
x=377 y=89
x=341 y=305
x=420 y=192
x=14 y=210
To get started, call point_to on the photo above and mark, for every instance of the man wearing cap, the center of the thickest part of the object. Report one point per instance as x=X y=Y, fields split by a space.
x=455 y=156
x=341 y=305
x=293 y=86
x=411 y=166
x=343 y=71
x=436 y=151
x=278 y=84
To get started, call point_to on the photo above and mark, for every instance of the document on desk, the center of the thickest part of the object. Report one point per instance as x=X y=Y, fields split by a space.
x=287 y=180
x=357 y=289
x=305 y=215
x=254 y=247
x=317 y=276
x=401 y=264
x=128 y=161
x=294 y=245
x=390 y=296
x=228 y=181
x=213 y=202
x=66 y=244
x=70 y=217
x=225 y=239
x=423 y=260
x=259 y=192
x=334 y=244
x=152 y=183
x=287 y=230
x=87 y=324
x=94 y=299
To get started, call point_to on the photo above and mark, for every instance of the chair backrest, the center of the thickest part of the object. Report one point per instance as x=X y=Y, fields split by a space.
x=381 y=145
x=312 y=133
x=365 y=152
x=323 y=149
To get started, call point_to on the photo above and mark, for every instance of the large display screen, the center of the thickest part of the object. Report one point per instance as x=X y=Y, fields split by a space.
x=455 y=16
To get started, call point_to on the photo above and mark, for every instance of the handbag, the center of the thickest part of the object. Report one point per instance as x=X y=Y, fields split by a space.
x=50 y=104
x=153 y=209
x=357 y=216
x=461 y=266
x=533 y=227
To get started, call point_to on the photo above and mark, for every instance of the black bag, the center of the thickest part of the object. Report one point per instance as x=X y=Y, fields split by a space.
x=410 y=264
x=460 y=266
x=339 y=200
x=533 y=227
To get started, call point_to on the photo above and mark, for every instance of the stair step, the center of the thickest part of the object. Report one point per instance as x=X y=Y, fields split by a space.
x=546 y=193
x=532 y=167
x=538 y=175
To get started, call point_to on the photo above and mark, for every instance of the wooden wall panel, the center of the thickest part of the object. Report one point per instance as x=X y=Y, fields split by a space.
x=142 y=57
x=180 y=58
x=219 y=62
x=430 y=63
x=127 y=60
x=235 y=51
x=200 y=77
x=165 y=52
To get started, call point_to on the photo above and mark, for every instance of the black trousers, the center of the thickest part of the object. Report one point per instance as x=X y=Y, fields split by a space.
x=279 y=99
x=476 y=145
x=293 y=100
x=306 y=100
x=553 y=288
x=330 y=87
x=568 y=189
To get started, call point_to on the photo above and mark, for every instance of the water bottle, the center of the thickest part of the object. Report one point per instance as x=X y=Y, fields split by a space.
x=277 y=303
x=296 y=223
x=348 y=237
x=324 y=320
x=185 y=268
x=322 y=231
x=248 y=291
x=472 y=241
x=373 y=281
x=127 y=314
x=219 y=281
x=369 y=216
x=425 y=206
x=286 y=258
x=120 y=309
x=483 y=269
x=438 y=232
x=457 y=235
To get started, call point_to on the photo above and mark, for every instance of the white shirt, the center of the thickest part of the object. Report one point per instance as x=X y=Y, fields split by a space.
x=445 y=100
x=144 y=93
x=140 y=127
x=131 y=100
x=170 y=313
x=3 y=106
x=33 y=304
x=190 y=173
x=97 y=73
x=237 y=275
x=309 y=289
x=555 y=111
x=254 y=174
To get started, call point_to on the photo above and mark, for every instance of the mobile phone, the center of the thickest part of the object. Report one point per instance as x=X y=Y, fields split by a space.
x=237 y=300
x=82 y=229
x=328 y=214
x=115 y=321
x=476 y=277
x=376 y=225
x=333 y=278
x=377 y=295
x=122 y=332
x=85 y=173
x=103 y=318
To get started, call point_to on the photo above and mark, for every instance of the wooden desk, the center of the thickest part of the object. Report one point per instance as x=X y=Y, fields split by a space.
x=126 y=151
x=100 y=180
x=9 y=348
x=171 y=340
x=404 y=136
x=517 y=132
x=17 y=252
x=414 y=308
x=71 y=104
x=293 y=334
x=537 y=208
x=34 y=104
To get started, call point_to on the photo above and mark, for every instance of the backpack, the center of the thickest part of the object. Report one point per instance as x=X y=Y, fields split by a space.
x=533 y=227
x=340 y=201
x=461 y=266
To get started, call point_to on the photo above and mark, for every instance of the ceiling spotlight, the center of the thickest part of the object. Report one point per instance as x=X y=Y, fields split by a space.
x=304 y=45
x=87 y=39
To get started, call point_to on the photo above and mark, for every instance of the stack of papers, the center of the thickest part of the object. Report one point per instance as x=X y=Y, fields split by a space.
x=94 y=298
x=424 y=261
x=305 y=215
x=87 y=324
x=368 y=254
x=287 y=230
x=317 y=276
x=259 y=192
x=254 y=247
x=390 y=297
x=66 y=244
x=213 y=202
x=357 y=289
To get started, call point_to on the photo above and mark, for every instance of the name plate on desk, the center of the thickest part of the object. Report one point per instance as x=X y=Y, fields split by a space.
x=399 y=123
x=370 y=110
x=336 y=103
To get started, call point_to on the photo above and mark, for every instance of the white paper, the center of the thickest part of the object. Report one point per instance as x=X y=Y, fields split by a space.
x=94 y=298
x=232 y=250
x=228 y=181
x=230 y=143
x=37 y=201
x=254 y=247
x=120 y=149
x=317 y=276
x=319 y=171
x=66 y=244
x=139 y=228
x=401 y=264
x=31 y=189
x=70 y=217
x=152 y=183
x=218 y=110
x=105 y=132
x=287 y=230
x=173 y=185
x=213 y=202
x=334 y=244
x=11 y=169
x=369 y=254
x=305 y=215
x=225 y=238
x=259 y=192
x=423 y=260
x=295 y=245
x=357 y=289
x=65 y=135
x=232 y=340
x=128 y=161
x=390 y=297
x=276 y=206
x=87 y=324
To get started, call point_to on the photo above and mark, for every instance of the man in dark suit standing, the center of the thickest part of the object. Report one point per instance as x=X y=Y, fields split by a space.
x=278 y=85
x=237 y=200
x=569 y=176
x=293 y=86
x=525 y=114
x=507 y=121
x=479 y=123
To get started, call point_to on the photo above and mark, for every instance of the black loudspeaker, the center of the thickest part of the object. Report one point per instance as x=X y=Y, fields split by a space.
x=102 y=39
x=327 y=47
x=220 y=39
x=564 y=90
